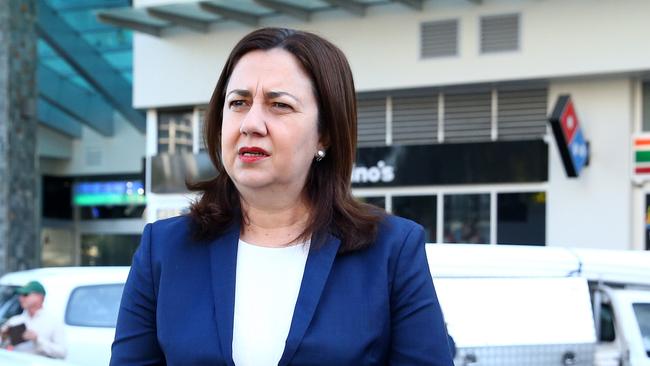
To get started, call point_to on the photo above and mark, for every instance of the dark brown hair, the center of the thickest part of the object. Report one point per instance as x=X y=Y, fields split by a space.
x=328 y=184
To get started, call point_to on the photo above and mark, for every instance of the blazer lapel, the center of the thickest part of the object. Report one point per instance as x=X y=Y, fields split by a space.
x=223 y=252
x=317 y=269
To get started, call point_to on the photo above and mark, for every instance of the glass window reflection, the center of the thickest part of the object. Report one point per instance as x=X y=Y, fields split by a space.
x=421 y=209
x=467 y=218
x=521 y=218
x=175 y=131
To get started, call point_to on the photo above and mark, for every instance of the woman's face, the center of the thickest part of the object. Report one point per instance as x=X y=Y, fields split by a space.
x=269 y=134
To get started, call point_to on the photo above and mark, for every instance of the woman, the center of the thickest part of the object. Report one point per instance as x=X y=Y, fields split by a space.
x=277 y=263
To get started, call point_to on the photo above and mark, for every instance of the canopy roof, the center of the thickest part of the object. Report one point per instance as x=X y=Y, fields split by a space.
x=200 y=15
x=84 y=68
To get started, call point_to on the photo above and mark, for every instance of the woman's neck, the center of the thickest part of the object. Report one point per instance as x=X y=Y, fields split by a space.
x=274 y=225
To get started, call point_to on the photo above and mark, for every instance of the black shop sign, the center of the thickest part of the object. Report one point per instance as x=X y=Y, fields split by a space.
x=445 y=164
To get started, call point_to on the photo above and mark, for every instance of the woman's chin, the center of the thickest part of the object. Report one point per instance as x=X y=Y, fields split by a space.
x=250 y=181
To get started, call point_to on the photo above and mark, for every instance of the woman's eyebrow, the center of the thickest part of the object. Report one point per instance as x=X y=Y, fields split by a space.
x=241 y=92
x=276 y=94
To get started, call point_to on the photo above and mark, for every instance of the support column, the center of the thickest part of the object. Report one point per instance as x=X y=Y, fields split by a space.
x=19 y=239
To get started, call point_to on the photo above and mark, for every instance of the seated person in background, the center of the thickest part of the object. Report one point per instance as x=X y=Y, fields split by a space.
x=43 y=334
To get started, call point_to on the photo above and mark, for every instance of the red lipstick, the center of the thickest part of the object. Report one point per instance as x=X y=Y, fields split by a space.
x=251 y=154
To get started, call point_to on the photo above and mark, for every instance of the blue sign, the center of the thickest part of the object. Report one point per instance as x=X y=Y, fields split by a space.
x=579 y=151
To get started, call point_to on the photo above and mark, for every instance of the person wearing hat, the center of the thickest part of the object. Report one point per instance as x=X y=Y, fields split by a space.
x=43 y=333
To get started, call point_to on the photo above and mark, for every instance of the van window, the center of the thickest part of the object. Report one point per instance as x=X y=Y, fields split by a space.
x=9 y=305
x=6 y=292
x=94 y=306
x=607 y=333
x=642 y=313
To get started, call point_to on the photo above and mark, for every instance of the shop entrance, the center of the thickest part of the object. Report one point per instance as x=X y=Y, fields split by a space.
x=491 y=216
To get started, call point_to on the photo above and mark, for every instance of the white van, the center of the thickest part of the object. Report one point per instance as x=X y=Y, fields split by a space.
x=86 y=299
x=518 y=305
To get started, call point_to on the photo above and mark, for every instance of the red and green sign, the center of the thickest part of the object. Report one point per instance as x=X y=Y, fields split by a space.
x=642 y=155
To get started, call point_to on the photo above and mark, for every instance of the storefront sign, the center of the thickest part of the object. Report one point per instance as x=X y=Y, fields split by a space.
x=381 y=172
x=391 y=166
x=641 y=151
x=570 y=140
x=446 y=164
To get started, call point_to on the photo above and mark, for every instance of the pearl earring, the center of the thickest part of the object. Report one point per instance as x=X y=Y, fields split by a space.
x=320 y=154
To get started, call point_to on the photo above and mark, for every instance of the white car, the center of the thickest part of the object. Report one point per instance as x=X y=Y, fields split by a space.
x=86 y=299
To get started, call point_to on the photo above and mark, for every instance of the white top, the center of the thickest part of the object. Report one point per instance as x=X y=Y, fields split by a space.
x=50 y=340
x=266 y=289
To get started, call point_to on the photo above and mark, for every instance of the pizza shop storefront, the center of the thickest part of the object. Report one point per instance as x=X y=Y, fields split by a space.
x=490 y=192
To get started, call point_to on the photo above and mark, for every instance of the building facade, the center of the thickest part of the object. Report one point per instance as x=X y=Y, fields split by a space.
x=453 y=104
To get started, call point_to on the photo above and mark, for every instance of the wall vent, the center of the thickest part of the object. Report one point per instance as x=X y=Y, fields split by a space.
x=371 y=122
x=415 y=119
x=522 y=114
x=499 y=33
x=439 y=38
x=468 y=117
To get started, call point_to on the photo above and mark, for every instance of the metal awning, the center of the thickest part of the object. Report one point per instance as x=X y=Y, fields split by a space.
x=200 y=15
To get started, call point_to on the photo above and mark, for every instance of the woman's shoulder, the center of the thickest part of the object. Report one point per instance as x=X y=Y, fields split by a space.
x=394 y=233
x=175 y=223
x=396 y=226
x=173 y=229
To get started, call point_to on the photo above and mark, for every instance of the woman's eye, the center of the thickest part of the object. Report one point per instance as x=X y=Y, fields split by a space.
x=237 y=103
x=281 y=105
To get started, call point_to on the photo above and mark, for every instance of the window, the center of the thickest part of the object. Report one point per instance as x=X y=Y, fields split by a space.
x=6 y=293
x=499 y=33
x=645 y=109
x=58 y=247
x=439 y=38
x=521 y=218
x=642 y=313
x=9 y=304
x=201 y=112
x=607 y=329
x=421 y=209
x=175 y=132
x=108 y=249
x=94 y=306
x=111 y=212
x=467 y=218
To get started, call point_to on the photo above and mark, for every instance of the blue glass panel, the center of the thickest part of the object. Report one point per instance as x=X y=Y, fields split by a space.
x=113 y=44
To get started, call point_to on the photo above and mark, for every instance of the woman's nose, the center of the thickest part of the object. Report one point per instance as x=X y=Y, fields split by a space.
x=254 y=122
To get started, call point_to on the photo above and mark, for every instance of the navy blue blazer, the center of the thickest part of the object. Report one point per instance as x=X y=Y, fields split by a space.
x=371 y=307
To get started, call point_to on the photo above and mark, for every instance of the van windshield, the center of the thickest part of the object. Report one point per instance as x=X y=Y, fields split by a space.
x=9 y=305
x=642 y=312
x=6 y=293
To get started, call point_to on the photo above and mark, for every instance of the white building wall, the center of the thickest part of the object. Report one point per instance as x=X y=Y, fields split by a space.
x=558 y=38
x=595 y=209
x=96 y=154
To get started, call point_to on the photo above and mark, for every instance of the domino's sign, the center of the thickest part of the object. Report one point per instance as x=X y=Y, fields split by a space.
x=569 y=137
